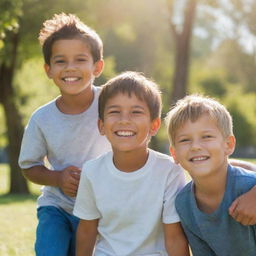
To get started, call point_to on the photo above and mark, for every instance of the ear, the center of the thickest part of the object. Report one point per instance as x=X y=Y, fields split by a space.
x=47 y=70
x=101 y=127
x=173 y=154
x=155 y=125
x=98 y=68
x=230 y=145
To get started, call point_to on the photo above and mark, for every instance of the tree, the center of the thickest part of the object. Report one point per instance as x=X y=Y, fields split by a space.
x=182 y=37
x=10 y=42
x=19 y=26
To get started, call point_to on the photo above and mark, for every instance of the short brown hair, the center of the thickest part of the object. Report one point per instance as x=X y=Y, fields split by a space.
x=192 y=107
x=68 y=26
x=132 y=83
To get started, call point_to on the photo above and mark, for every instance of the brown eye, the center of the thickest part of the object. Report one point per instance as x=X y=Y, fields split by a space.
x=59 y=61
x=81 y=60
x=183 y=140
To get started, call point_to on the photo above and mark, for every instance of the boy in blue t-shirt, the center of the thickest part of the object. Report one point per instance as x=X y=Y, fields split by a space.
x=201 y=136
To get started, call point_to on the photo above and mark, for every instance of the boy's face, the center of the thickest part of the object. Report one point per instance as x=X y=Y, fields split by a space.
x=71 y=66
x=201 y=148
x=127 y=123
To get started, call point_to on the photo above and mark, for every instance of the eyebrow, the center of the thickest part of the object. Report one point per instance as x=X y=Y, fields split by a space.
x=204 y=131
x=62 y=55
x=118 y=106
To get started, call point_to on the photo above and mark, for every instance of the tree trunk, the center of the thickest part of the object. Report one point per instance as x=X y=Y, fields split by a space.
x=182 y=52
x=18 y=183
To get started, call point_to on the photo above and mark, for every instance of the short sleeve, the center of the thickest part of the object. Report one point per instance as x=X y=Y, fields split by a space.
x=33 y=146
x=85 y=205
x=175 y=182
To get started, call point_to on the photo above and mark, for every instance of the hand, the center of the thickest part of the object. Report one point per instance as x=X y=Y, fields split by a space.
x=243 y=209
x=69 y=180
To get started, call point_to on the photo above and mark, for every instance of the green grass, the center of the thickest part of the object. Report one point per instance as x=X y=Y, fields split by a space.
x=18 y=224
x=17 y=219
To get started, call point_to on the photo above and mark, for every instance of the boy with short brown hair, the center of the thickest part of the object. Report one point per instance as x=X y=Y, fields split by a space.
x=126 y=197
x=64 y=130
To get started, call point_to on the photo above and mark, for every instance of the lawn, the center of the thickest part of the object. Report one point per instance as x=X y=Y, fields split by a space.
x=17 y=219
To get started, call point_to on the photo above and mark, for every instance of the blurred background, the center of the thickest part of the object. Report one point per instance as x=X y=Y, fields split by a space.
x=185 y=46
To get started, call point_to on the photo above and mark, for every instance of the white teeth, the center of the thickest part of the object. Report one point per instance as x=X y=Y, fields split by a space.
x=125 y=133
x=200 y=158
x=70 y=79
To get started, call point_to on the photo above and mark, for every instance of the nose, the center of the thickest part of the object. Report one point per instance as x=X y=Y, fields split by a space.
x=195 y=144
x=70 y=65
x=124 y=117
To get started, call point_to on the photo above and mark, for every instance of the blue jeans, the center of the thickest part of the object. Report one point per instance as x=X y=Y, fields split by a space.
x=56 y=232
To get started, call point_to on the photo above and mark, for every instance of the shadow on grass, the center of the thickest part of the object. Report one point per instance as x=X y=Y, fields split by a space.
x=16 y=198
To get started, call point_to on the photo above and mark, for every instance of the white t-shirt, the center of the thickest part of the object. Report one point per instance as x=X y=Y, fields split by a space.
x=65 y=140
x=131 y=207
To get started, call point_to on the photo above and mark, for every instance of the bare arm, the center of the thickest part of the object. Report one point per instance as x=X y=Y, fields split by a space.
x=67 y=180
x=244 y=164
x=175 y=240
x=243 y=209
x=86 y=237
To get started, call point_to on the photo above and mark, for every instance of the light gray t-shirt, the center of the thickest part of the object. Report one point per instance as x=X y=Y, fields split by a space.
x=65 y=140
x=131 y=207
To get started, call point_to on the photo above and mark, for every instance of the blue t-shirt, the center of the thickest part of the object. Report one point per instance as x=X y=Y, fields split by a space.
x=218 y=233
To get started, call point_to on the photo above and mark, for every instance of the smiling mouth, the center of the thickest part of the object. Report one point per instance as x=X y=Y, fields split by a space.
x=70 y=79
x=199 y=158
x=125 y=133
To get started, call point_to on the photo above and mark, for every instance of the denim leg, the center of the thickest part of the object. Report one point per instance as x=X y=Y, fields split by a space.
x=74 y=224
x=53 y=232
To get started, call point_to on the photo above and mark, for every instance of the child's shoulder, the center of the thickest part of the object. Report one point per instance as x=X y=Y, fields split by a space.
x=186 y=190
x=165 y=162
x=242 y=172
x=184 y=197
x=92 y=166
x=47 y=108
x=243 y=179
x=161 y=156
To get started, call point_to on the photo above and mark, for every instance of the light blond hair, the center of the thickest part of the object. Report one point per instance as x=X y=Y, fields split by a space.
x=192 y=107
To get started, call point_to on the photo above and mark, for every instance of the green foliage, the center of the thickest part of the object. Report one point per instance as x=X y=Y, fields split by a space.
x=34 y=88
x=131 y=35
x=216 y=83
x=213 y=86
x=10 y=10
x=243 y=111
x=109 y=70
x=239 y=65
x=207 y=81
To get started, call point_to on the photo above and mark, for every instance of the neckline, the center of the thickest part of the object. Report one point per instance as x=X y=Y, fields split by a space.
x=88 y=110
x=130 y=175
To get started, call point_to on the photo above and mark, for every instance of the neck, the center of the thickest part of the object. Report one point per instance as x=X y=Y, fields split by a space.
x=75 y=104
x=209 y=191
x=130 y=161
